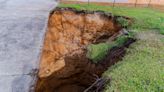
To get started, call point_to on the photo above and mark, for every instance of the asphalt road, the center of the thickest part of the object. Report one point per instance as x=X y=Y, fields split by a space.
x=22 y=27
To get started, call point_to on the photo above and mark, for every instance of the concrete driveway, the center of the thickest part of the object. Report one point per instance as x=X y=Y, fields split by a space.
x=22 y=28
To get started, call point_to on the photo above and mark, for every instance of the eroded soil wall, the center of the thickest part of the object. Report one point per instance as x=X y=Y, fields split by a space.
x=64 y=66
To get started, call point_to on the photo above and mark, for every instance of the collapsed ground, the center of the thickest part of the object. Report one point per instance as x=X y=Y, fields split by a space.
x=142 y=68
x=79 y=46
x=145 y=18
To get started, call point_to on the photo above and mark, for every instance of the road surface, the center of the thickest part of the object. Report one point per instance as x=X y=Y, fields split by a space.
x=22 y=27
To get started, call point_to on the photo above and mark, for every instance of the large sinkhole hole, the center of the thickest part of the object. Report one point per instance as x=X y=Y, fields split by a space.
x=79 y=46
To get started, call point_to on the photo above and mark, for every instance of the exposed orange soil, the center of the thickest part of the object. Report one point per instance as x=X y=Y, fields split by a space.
x=69 y=32
x=64 y=66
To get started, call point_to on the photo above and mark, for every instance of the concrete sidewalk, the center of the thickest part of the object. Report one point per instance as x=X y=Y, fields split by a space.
x=22 y=28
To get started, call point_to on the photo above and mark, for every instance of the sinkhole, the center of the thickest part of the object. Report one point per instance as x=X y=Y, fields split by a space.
x=79 y=46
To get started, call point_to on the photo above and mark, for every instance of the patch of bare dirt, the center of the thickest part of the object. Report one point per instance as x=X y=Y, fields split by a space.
x=64 y=66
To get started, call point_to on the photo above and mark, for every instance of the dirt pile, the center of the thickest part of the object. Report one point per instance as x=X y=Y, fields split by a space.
x=64 y=66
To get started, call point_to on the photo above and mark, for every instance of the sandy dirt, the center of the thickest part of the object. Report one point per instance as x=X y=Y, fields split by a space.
x=64 y=66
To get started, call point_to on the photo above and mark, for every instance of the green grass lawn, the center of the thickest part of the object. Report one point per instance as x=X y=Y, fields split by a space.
x=97 y=52
x=145 y=18
x=142 y=69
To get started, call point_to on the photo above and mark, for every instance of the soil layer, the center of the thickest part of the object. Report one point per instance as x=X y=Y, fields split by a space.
x=64 y=66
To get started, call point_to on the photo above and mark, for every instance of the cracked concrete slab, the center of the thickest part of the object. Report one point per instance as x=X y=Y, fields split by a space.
x=22 y=28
